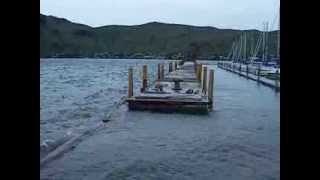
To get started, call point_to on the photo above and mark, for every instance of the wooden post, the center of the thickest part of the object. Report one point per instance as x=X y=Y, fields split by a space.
x=259 y=69
x=247 y=70
x=200 y=72
x=276 y=78
x=210 y=88
x=175 y=65
x=130 y=83
x=197 y=71
x=144 y=78
x=170 y=67
x=159 y=71
x=162 y=71
x=204 y=82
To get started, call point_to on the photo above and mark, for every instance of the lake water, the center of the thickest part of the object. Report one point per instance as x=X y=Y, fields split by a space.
x=239 y=140
x=76 y=94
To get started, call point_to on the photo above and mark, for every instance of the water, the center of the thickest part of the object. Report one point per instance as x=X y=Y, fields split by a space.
x=239 y=140
x=76 y=94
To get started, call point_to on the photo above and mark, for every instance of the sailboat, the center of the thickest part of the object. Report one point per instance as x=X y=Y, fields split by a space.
x=268 y=67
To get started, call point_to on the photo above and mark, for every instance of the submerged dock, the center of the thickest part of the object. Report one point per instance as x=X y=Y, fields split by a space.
x=187 y=87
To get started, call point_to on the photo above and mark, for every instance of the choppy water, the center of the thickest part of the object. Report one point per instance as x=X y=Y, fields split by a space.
x=75 y=94
x=239 y=140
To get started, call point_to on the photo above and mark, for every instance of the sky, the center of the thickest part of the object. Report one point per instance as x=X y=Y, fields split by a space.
x=225 y=14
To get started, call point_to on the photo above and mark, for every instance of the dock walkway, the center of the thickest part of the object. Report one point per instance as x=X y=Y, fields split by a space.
x=247 y=74
x=184 y=89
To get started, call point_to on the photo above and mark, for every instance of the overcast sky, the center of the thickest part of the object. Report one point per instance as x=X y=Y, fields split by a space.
x=235 y=14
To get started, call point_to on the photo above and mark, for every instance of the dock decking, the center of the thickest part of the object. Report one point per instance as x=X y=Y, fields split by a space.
x=184 y=89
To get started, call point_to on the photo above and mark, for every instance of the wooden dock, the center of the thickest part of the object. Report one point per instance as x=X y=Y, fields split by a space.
x=187 y=88
x=245 y=72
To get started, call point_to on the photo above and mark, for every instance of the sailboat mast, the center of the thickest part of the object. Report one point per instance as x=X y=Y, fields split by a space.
x=278 y=46
x=245 y=46
x=241 y=48
x=267 y=41
x=263 y=42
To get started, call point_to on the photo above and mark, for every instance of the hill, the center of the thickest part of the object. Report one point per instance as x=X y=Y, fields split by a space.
x=62 y=38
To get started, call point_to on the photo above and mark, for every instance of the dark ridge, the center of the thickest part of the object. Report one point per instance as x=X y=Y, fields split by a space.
x=60 y=37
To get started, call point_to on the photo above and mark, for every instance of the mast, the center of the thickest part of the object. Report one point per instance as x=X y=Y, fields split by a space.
x=240 y=49
x=278 y=46
x=245 y=46
x=264 y=42
x=267 y=41
x=251 y=45
x=231 y=51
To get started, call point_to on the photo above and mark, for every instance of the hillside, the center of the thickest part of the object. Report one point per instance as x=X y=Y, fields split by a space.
x=67 y=39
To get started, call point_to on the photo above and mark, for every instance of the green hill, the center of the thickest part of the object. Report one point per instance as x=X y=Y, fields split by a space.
x=67 y=39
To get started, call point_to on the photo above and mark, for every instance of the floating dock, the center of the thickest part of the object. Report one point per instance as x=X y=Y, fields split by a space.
x=245 y=72
x=187 y=87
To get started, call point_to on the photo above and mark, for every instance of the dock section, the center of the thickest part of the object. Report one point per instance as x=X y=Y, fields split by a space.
x=187 y=87
x=244 y=71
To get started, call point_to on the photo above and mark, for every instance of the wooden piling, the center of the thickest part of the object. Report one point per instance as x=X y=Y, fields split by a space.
x=144 y=78
x=247 y=70
x=204 y=80
x=170 y=67
x=276 y=79
x=259 y=69
x=210 y=88
x=162 y=71
x=130 y=83
x=175 y=65
x=159 y=72
x=200 y=72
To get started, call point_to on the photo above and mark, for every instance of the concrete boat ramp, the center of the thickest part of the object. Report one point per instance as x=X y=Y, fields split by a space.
x=238 y=140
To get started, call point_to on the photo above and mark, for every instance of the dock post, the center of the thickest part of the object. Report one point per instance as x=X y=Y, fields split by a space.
x=204 y=82
x=159 y=72
x=130 y=83
x=170 y=67
x=259 y=69
x=210 y=89
x=175 y=65
x=200 y=73
x=247 y=70
x=144 y=78
x=276 y=79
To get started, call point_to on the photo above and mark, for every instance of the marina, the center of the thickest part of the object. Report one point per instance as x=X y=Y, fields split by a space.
x=148 y=90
